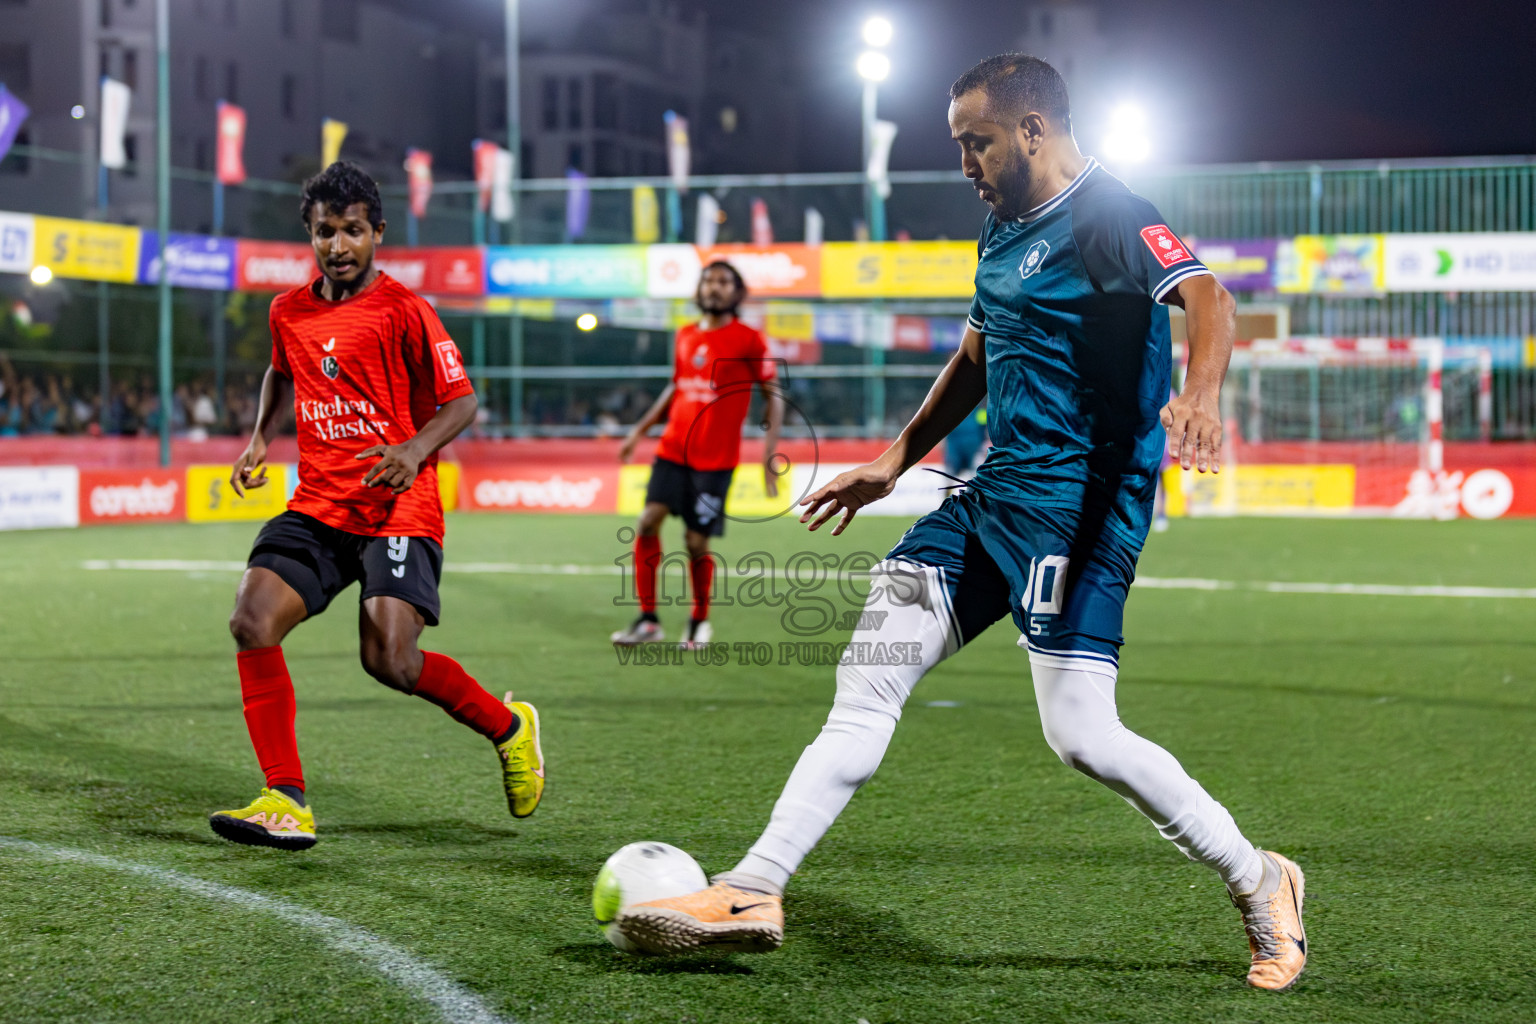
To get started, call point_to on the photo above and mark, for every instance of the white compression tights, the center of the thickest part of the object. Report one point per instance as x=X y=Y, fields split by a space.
x=1077 y=711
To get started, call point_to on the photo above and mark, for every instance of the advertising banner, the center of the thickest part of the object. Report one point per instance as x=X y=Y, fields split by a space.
x=89 y=251
x=535 y=487
x=898 y=269
x=1243 y=265
x=672 y=271
x=273 y=266
x=210 y=499
x=196 y=261
x=434 y=270
x=746 y=499
x=132 y=496
x=1473 y=262
x=788 y=270
x=37 y=497
x=567 y=271
x=17 y=235
x=1330 y=265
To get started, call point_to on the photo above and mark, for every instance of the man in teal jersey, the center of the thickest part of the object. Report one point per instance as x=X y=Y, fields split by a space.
x=1068 y=341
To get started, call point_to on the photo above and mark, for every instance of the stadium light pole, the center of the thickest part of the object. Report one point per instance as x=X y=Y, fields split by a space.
x=874 y=67
x=163 y=218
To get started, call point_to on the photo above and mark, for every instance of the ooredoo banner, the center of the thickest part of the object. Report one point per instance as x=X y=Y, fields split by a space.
x=533 y=487
x=445 y=270
x=273 y=266
x=36 y=497
x=126 y=496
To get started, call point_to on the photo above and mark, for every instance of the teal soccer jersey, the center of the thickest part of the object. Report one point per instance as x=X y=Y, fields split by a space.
x=1069 y=297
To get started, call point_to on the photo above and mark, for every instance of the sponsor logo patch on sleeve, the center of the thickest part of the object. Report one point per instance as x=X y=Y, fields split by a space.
x=1165 y=245
x=450 y=362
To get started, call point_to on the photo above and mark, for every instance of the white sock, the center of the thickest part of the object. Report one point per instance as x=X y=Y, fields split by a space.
x=1081 y=723
x=912 y=606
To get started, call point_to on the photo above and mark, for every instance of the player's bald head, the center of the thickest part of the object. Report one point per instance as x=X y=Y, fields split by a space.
x=1017 y=84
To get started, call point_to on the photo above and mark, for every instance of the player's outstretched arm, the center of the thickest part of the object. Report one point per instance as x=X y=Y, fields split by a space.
x=954 y=395
x=250 y=468
x=399 y=463
x=1193 y=418
x=652 y=417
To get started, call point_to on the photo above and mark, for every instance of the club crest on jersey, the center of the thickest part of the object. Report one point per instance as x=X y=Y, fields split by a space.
x=1034 y=258
x=699 y=357
x=330 y=367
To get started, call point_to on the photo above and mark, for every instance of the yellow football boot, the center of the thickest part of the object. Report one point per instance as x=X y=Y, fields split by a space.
x=721 y=918
x=271 y=820
x=522 y=760
x=1272 y=919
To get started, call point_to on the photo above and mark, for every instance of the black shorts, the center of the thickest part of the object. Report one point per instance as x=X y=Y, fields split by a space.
x=320 y=561
x=698 y=495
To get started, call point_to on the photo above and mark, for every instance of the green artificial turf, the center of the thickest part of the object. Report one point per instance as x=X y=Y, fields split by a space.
x=1383 y=742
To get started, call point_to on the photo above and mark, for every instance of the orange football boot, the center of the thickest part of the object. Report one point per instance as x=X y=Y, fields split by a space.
x=1272 y=919
x=721 y=918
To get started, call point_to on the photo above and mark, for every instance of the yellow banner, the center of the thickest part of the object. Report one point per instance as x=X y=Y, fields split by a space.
x=332 y=134
x=746 y=498
x=647 y=215
x=791 y=321
x=1277 y=490
x=898 y=269
x=210 y=499
x=87 y=250
x=448 y=474
x=1331 y=264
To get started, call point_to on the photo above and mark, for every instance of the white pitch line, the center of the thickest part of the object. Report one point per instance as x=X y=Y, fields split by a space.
x=455 y=1004
x=1149 y=582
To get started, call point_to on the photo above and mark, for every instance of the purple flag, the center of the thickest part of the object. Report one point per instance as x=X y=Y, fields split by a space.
x=578 y=204
x=12 y=113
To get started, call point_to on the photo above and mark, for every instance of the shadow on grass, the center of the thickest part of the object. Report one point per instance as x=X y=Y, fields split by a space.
x=599 y=956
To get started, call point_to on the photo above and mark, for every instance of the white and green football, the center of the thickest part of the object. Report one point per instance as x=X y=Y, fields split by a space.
x=639 y=873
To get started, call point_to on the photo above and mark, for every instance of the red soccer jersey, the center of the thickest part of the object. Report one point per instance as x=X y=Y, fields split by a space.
x=714 y=374
x=370 y=370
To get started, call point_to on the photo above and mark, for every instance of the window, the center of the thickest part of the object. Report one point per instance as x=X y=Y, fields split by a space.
x=338 y=20
x=289 y=20
x=290 y=96
x=131 y=151
x=200 y=78
x=15 y=163
x=573 y=103
x=232 y=82
x=608 y=159
x=551 y=104
x=574 y=156
x=16 y=66
x=131 y=69
x=605 y=101
x=200 y=155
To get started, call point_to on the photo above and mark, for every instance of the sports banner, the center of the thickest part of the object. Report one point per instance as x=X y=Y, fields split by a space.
x=1330 y=265
x=18 y=232
x=1473 y=262
x=567 y=271
x=540 y=487
x=898 y=270
x=37 y=497
x=789 y=270
x=88 y=251
x=196 y=261
x=231 y=144
x=273 y=266
x=210 y=498
x=434 y=270
x=132 y=496
x=1242 y=265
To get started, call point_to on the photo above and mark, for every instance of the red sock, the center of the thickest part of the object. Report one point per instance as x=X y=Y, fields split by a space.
x=647 y=558
x=267 y=692
x=702 y=569
x=444 y=682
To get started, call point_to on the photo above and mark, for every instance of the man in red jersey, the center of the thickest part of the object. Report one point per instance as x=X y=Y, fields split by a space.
x=719 y=359
x=378 y=388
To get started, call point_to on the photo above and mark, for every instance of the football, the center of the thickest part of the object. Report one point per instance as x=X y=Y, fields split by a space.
x=639 y=873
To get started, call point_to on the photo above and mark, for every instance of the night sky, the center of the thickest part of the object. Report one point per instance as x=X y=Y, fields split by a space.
x=1224 y=80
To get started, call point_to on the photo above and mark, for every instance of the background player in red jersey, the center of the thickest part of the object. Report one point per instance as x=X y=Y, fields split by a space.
x=718 y=361
x=376 y=379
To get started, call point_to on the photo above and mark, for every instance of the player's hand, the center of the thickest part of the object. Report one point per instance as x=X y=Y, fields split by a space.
x=396 y=469
x=250 y=469
x=628 y=447
x=771 y=474
x=1193 y=422
x=847 y=493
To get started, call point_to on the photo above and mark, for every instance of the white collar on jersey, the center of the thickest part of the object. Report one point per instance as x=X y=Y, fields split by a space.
x=1060 y=197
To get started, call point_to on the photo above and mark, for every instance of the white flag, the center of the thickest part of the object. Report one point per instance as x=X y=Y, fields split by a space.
x=708 y=227
x=881 y=135
x=501 y=185
x=115 y=97
x=815 y=226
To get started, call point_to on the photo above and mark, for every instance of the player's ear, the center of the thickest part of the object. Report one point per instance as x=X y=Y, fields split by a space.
x=378 y=232
x=1032 y=132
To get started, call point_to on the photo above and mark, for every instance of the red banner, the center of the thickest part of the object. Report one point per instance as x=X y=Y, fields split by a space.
x=485 y=171
x=910 y=333
x=1474 y=492
x=273 y=266
x=540 y=487
x=445 y=270
x=231 y=144
x=125 y=496
x=418 y=168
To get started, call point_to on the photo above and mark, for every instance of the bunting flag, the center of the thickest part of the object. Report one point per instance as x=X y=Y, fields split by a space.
x=815 y=226
x=12 y=113
x=881 y=135
x=647 y=215
x=332 y=134
x=708 y=227
x=231 y=144
x=762 y=226
x=115 y=99
x=418 y=169
x=504 y=170
x=485 y=170
x=578 y=204
x=677 y=150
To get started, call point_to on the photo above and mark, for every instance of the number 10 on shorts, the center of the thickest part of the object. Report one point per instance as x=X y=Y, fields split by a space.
x=1046 y=589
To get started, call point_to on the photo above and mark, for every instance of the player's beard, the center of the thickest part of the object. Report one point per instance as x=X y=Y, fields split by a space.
x=1012 y=186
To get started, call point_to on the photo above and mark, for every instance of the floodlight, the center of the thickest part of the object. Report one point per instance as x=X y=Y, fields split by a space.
x=878 y=32
x=1127 y=141
x=873 y=66
x=41 y=275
